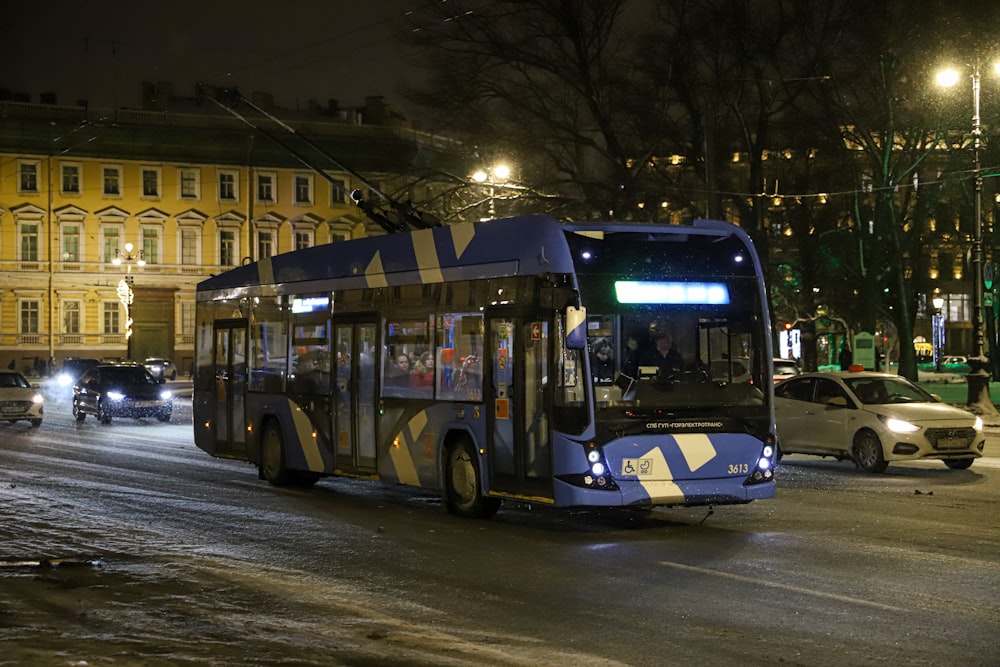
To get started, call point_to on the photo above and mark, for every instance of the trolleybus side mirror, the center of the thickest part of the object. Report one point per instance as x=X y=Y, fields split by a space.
x=576 y=328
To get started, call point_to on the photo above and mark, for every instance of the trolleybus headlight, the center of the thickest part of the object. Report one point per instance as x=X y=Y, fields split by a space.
x=598 y=473
x=764 y=472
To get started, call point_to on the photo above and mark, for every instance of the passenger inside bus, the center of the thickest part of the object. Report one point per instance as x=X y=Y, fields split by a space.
x=602 y=363
x=422 y=376
x=397 y=372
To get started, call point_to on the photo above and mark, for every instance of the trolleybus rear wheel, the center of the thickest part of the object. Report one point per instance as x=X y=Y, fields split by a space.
x=272 y=456
x=464 y=483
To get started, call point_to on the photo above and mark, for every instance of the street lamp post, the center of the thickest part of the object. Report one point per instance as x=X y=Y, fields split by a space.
x=126 y=294
x=494 y=176
x=979 y=377
x=937 y=335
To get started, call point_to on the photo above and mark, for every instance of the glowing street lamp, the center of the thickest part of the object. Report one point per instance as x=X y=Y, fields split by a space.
x=979 y=378
x=495 y=176
x=125 y=292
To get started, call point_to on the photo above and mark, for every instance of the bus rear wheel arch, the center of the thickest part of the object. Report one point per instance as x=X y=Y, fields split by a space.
x=463 y=482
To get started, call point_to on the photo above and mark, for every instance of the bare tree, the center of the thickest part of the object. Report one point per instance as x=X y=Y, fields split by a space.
x=544 y=83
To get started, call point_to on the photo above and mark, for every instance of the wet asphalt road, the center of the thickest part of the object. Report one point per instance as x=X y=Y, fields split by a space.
x=124 y=544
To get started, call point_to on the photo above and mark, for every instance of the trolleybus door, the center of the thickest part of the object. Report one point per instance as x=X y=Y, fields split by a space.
x=354 y=396
x=519 y=447
x=230 y=387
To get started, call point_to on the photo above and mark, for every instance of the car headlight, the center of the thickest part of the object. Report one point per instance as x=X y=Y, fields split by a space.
x=64 y=380
x=900 y=426
x=116 y=395
x=37 y=398
x=165 y=395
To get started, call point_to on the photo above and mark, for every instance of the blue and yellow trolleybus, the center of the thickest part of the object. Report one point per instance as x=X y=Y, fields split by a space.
x=522 y=358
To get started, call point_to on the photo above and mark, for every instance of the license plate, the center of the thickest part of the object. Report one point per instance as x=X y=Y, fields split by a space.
x=952 y=443
x=145 y=404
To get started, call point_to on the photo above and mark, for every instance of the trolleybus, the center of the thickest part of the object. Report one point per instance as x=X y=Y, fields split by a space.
x=462 y=359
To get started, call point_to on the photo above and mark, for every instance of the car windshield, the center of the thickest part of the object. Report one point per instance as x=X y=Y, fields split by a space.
x=13 y=380
x=785 y=368
x=880 y=391
x=127 y=375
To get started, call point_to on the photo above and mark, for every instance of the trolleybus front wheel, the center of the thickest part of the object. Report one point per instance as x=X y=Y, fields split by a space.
x=464 y=483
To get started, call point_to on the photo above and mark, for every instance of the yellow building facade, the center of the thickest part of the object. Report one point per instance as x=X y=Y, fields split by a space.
x=132 y=201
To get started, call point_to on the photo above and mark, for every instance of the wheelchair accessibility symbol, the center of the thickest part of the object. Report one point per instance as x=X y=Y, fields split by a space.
x=638 y=467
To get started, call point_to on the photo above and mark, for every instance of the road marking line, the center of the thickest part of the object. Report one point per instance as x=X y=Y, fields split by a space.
x=785 y=587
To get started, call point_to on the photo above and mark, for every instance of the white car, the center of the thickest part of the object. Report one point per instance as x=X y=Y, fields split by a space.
x=872 y=419
x=161 y=368
x=19 y=400
x=784 y=369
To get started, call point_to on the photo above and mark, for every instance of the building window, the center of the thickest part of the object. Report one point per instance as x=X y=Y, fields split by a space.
x=227 y=247
x=338 y=192
x=29 y=242
x=29 y=316
x=190 y=183
x=71 y=179
x=187 y=316
x=111 y=317
x=265 y=244
x=338 y=235
x=112 y=181
x=227 y=186
x=266 y=186
x=303 y=239
x=27 y=177
x=151 y=245
x=71 y=243
x=957 y=307
x=71 y=317
x=189 y=246
x=111 y=242
x=303 y=189
x=150 y=182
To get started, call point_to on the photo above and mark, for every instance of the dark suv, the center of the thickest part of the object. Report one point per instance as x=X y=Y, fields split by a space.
x=121 y=390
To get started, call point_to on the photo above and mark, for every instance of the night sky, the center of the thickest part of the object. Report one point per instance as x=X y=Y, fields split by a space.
x=101 y=51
